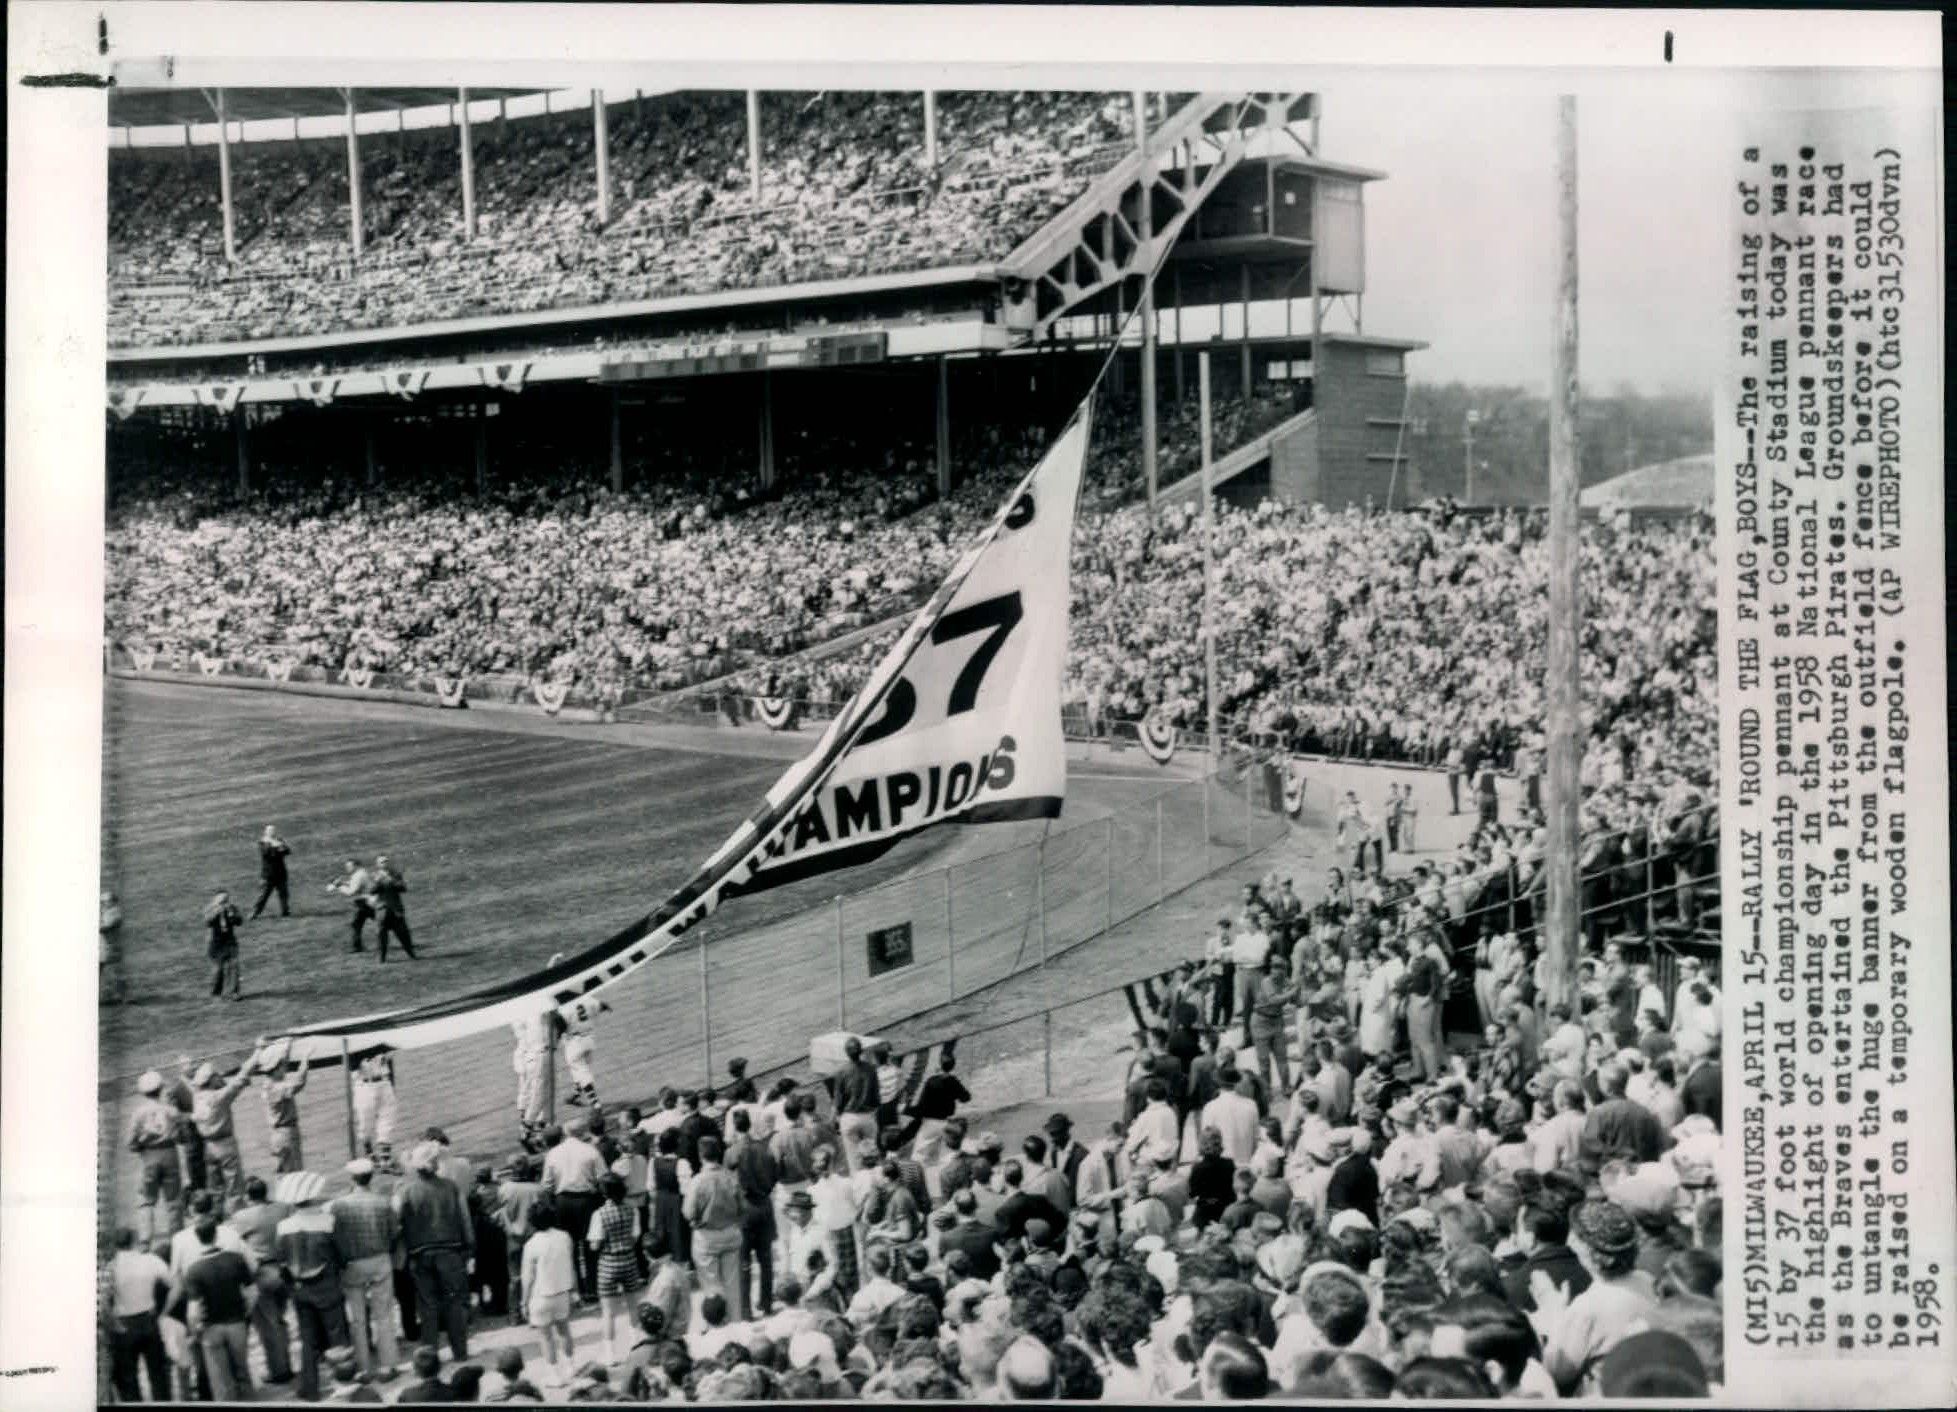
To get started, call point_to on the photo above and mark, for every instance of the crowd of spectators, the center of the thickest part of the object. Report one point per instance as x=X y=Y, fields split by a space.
x=688 y=575
x=1355 y=632
x=844 y=191
x=1304 y=1193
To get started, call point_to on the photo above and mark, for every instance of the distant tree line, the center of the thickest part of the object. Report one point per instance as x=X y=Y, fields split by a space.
x=1619 y=431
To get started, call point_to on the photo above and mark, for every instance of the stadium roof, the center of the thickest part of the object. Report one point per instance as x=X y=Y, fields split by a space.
x=173 y=107
x=1683 y=484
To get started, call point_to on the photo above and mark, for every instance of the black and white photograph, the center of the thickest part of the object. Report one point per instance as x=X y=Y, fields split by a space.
x=906 y=720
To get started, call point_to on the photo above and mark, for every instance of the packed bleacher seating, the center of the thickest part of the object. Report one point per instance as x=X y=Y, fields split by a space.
x=691 y=570
x=1306 y=1192
x=844 y=192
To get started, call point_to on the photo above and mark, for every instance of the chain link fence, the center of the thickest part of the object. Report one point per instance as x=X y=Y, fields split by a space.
x=866 y=962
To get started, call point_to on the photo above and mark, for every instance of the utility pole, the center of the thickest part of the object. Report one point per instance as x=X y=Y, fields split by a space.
x=1562 y=692
x=1468 y=466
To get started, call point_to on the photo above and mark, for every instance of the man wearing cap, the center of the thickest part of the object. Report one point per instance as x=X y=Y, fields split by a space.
x=310 y=1257
x=212 y=1098
x=580 y=1019
x=1064 y=1154
x=808 y=1249
x=438 y=1236
x=222 y=919
x=257 y=1225
x=530 y=1060
x=858 y=1097
x=280 y=1090
x=375 y=1107
x=367 y=1234
x=154 y=1134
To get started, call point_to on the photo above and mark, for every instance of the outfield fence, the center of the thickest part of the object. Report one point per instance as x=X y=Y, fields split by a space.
x=865 y=962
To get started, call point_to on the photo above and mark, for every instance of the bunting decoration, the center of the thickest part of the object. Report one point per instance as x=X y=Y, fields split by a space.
x=448 y=690
x=318 y=391
x=775 y=712
x=143 y=658
x=406 y=383
x=504 y=377
x=123 y=401
x=279 y=670
x=550 y=695
x=221 y=395
x=358 y=677
x=1158 y=737
x=209 y=666
x=959 y=722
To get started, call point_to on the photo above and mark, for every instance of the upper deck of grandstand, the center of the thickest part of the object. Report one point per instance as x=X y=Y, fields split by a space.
x=580 y=207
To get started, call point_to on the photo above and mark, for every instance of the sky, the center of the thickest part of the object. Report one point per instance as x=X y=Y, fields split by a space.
x=1461 y=236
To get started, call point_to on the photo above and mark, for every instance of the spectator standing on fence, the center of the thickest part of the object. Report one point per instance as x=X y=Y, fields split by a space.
x=357 y=885
x=213 y=1097
x=391 y=907
x=257 y=1225
x=280 y=1090
x=155 y=1131
x=858 y=1096
x=272 y=853
x=436 y=1233
x=222 y=920
x=573 y=1174
x=367 y=1233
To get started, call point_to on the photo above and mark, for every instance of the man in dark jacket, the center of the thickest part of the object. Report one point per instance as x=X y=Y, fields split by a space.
x=1542 y=1232
x=438 y=1236
x=1618 y=1126
x=223 y=919
x=1354 y=1183
x=973 y=1236
x=272 y=851
x=389 y=905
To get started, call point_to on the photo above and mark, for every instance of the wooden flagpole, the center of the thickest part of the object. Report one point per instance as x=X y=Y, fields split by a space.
x=1559 y=944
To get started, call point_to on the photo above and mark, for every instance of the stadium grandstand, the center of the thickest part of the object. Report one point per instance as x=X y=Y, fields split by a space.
x=678 y=404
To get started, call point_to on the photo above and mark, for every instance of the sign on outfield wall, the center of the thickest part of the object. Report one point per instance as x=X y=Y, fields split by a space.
x=889 y=948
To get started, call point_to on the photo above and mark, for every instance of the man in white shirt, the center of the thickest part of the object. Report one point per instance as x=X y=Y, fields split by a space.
x=1155 y=1132
x=138 y=1282
x=1233 y=1113
x=1410 y=1155
x=185 y=1247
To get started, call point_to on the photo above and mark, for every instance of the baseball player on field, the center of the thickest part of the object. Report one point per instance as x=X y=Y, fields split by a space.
x=581 y=1043
x=374 y=1107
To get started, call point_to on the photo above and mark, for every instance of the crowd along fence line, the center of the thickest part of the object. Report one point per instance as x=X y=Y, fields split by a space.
x=277 y=667
x=937 y=940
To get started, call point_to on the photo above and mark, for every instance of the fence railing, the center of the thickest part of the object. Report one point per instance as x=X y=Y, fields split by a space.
x=758 y=987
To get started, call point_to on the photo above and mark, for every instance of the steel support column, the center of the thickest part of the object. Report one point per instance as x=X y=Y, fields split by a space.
x=944 y=426
x=354 y=217
x=601 y=144
x=468 y=170
x=754 y=144
x=224 y=179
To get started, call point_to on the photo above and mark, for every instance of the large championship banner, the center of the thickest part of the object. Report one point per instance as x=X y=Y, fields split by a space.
x=960 y=721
